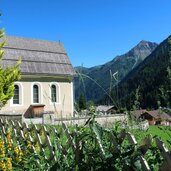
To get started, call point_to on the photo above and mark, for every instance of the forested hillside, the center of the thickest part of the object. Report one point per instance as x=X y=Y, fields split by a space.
x=149 y=84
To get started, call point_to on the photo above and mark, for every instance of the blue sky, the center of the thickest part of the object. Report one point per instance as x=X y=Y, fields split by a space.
x=93 y=31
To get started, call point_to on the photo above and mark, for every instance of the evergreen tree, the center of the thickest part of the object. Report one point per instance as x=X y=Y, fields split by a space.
x=7 y=76
x=82 y=102
x=169 y=78
x=90 y=104
x=136 y=105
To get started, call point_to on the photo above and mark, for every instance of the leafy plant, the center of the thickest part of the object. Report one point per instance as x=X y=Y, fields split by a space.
x=88 y=147
x=7 y=77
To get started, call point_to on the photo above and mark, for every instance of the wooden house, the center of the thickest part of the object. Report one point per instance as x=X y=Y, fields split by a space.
x=154 y=117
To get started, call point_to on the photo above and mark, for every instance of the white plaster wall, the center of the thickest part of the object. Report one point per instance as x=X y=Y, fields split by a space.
x=64 y=107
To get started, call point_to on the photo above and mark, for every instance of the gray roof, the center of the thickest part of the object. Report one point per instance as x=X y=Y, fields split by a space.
x=103 y=108
x=38 y=56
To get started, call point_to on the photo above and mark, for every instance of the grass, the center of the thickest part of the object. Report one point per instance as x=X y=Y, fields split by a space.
x=163 y=132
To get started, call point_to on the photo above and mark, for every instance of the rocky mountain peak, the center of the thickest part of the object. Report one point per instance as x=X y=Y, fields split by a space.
x=142 y=49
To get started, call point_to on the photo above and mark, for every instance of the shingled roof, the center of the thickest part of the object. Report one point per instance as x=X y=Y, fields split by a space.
x=154 y=113
x=39 y=57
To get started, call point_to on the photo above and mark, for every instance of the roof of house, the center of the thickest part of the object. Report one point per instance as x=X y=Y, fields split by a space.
x=154 y=113
x=103 y=108
x=138 y=113
x=157 y=115
x=39 y=57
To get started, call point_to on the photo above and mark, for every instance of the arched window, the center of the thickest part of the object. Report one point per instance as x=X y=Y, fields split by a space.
x=35 y=94
x=54 y=90
x=16 y=97
x=53 y=93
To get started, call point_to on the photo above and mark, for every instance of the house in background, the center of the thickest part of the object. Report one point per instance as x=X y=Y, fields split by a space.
x=47 y=77
x=154 y=117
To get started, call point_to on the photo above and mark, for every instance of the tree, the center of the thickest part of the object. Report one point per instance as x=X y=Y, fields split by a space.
x=7 y=76
x=82 y=102
x=89 y=104
x=136 y=105
x=169 y=77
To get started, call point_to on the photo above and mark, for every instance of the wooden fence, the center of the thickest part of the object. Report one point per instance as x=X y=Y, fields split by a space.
x=42 y=139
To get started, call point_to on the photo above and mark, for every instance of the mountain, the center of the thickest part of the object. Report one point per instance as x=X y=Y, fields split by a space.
x=150 y=79
x=95 y=82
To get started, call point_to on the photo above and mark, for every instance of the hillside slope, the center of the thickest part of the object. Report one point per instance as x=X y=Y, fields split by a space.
x=151 y=76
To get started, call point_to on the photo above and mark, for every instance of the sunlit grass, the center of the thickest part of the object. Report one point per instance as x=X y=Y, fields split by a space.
x=163 y=132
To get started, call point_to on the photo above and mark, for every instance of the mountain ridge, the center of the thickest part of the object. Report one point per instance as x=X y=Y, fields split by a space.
x=101 y=73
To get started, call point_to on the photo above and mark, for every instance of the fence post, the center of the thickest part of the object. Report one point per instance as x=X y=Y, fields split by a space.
x=166 y=155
